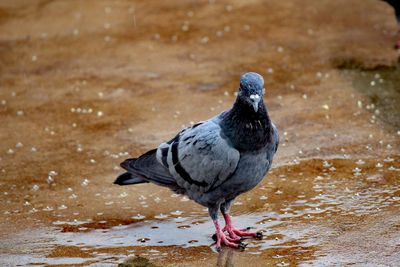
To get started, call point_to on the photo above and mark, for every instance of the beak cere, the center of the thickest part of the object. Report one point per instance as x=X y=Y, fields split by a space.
x=255 y=99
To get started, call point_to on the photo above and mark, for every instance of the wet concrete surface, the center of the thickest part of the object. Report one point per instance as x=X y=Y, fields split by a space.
x=84 y=85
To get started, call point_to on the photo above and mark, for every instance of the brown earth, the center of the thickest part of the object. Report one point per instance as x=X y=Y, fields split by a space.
x=86 y=84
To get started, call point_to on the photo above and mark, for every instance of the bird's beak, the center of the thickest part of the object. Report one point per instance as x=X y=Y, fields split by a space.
x=255 y=99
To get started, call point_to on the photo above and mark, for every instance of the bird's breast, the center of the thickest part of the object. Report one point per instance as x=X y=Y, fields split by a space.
x=251 y=169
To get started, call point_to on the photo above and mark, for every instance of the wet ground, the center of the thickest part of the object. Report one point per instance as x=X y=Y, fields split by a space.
x=86 y=84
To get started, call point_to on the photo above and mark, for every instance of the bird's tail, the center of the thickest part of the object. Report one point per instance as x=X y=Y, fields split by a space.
x=146 y=169
x=128 y=178
x=149 y=169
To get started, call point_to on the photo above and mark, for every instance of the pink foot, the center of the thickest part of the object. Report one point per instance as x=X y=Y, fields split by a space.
x=237 y=233
x=222 y=239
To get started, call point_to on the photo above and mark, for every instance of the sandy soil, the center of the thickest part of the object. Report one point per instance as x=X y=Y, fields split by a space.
x=86 y=84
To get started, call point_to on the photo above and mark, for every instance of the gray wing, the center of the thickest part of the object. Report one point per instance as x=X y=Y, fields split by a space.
x=198 y=157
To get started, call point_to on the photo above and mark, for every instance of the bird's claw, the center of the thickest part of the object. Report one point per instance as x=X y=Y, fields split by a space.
x=214 y=237
x=259 y=235
x=242 y=246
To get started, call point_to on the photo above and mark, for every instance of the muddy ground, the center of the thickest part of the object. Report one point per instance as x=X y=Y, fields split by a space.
x=86 y=84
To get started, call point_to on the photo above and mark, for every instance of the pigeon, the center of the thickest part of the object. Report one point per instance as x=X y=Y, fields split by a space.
x=396 y=5
x=214 y=161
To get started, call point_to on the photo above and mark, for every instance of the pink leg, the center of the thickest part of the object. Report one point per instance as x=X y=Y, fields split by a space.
x=225 y=240
x=237 y=233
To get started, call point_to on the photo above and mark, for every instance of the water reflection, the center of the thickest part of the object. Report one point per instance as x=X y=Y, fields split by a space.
x=225 y=257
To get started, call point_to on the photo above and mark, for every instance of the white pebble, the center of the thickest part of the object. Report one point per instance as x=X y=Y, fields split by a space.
x=35 y=187
x=161 y=216
x=360 y=162
x=123 y=195
x=138 y=217
x=53 y=173
x=79 y=148
x=185 y=27
x=326 y=164
x=33 y=210
x=388 y=159
x=85 y=182
x=50 y=180
x=177 y=212
x=204 y=40
x=48 y=208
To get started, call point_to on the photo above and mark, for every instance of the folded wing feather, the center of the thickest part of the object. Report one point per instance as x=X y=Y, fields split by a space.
x=198 y=157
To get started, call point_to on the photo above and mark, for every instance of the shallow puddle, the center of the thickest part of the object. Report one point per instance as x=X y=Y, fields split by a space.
x=298 y=208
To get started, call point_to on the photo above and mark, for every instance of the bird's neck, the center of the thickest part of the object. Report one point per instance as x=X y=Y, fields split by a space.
x=245 y=129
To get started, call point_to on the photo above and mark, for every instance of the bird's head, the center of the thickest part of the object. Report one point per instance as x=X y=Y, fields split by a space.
x=251 y=90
